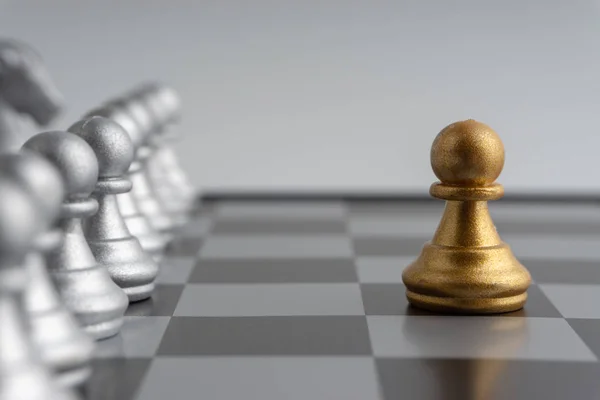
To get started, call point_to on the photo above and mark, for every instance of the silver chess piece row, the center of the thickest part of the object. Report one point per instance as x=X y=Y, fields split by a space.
x=85 y=217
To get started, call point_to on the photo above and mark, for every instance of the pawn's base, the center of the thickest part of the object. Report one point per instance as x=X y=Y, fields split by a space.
x=467 y=305
x=139 y=293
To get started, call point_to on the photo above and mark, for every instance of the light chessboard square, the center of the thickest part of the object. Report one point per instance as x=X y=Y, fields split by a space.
x=477 y=337
x=238 y=300
x=260 y=378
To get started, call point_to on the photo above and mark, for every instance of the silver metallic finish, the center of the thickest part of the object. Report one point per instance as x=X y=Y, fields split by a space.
x=173 y=187
x=112 y=244
x=26 y=88
x=62 y=343
x=143 y=191
x=22 y=374
x=85 y=286
x=137 y=222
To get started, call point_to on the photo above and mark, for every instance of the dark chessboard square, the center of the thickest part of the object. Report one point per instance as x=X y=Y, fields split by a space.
x=115 y=379
x=394 y=207
x=548 y=227
x=162 y=303
x=390 y=299
x=276 y=226
x=489 y=379
x=301 y=336
x=563 y=271
x=274 y=271
x=385 y=246
x=589 y=331
x=184 y=247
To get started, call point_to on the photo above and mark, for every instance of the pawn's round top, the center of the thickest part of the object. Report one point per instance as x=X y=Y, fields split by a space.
x=72 y=156
x=39 y=178
x=19 y=220
x=121 y=117
x=467 y=153
x=110 y=142
x=138 y=112
x=163 y=101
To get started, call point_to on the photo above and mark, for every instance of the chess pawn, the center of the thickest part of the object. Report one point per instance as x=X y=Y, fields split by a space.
x=166 y=175
x=62 y=343
x=23 y=376
x=142 y=189
x=85 y=286
x=466 y=267
x=108 y=237
x=137 y=223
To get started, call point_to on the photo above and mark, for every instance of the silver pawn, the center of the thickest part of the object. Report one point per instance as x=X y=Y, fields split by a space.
x=137 y=223
x=85 y=286
x=23 y=375
x=62 y=343
x=166 y=175
x=106 y=232
x=143 y=192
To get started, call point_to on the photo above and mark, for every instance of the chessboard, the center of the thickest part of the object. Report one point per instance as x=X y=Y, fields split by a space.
x=302 y=298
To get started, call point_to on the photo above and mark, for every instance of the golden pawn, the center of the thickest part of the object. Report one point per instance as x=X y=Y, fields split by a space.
x=466 y=268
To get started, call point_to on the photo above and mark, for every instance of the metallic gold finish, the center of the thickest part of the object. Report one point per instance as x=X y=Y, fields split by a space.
x=466 y=267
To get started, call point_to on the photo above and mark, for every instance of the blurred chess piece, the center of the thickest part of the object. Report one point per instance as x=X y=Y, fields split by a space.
x=26 y=89
x=62 y=343
x=130 y=267
x=85 y=286
x=23 y=375
x=137 y=223
x=171 y=183
x=143 y=191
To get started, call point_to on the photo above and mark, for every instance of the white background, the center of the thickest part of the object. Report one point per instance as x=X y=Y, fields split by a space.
x=340 y=95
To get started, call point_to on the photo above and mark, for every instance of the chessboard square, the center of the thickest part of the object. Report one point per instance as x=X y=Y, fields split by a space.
x=300 y=246
x=115 y=379
x=175 y=270
x=496 y=379
x=301 y=336
x=574 y=301
x=396 y=207
x=589 y=331
x=184 y=247
x=161 y=304
x=388 y=247
x=476 y=338
x=563 y=271
x=274 y=271
x=198 y=227
x=570 y=248
x=563 y=212
x=545 y=227
x=260 y=378
x=231 y=300
x=395 y=226
x=139 y=337
x=287 y=210
x=382 y=269
x=279 y=227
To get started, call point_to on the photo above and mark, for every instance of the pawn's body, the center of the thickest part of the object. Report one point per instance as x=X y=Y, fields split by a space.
x=60 y=340
x=170 y=182
x=143 y=192
x=129 y=266
x=85 y=286
x=23 y=375
x=137 y=222
x=466 y=267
